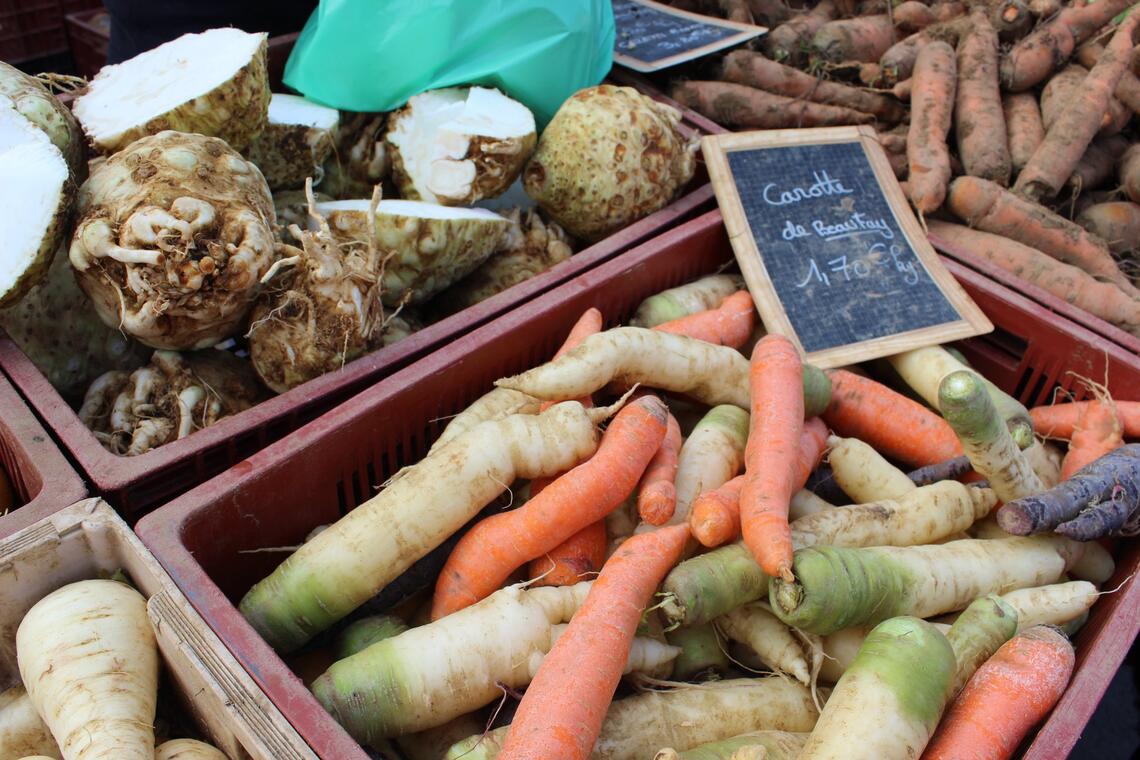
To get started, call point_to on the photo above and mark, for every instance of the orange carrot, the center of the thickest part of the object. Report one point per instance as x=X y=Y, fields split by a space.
x=561 y=713
x=931 y=105
x=979 y=124
x=893 y=424
x=1096 y=167
x=1023 y=126
x=1130 y=173
x=485 y=557
x=573 y=560
x=656 y=495
x=740 y=106
x=912 y=16
x=1036 y=55
x=1097 y=432
x=897 y=64
x=788 y=41
x=1061 y=89
x=750 y=68
x=1127 y=90
x=1060 y=420
x=865 y=38
x=585 y=551
x=1068 y=138
x=729 y=324
x=777 y=400
x=1005 y=698
x=715 y=516
x=991 y=208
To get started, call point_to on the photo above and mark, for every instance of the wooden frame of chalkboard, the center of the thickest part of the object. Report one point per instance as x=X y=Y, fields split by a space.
x=950 y=313
x=743 y=33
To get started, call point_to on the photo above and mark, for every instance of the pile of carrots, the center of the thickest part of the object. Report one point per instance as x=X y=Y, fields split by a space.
x=1009 y=122
x=667 y=585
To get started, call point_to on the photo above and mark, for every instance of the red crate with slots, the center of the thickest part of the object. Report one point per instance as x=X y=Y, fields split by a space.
x=43 y=481
x=208 y=539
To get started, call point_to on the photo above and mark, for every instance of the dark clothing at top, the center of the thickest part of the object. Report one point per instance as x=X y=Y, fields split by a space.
x=139 y=25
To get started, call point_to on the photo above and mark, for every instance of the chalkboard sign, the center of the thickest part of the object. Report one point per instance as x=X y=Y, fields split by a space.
x=830 y=250
x=651 y=36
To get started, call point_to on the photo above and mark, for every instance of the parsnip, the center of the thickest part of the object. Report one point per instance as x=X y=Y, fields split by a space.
x=761 y=745
x=806 y=503
x=863 y=473
x=1055 y=604
x=684 y=717
x=88 y=657
x=188 y=749
x=345 y=565
x=979 y=631
x=22 y=730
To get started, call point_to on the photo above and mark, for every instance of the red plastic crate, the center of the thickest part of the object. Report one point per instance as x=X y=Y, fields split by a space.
x=40 y=475
x=1051 y=302
x=35 y=28
x=88 y=36
x=319 y=472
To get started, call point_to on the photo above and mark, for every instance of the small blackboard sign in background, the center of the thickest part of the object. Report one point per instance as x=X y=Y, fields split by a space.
x=651 y=36
x=831 y=252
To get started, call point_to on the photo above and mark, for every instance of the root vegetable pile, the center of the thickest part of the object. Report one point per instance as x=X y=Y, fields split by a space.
x=295 y=236
x=1012 y=124
x=768 y=637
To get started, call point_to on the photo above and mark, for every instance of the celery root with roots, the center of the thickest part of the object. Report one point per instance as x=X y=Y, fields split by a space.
x=345 y=565
x=88 y=657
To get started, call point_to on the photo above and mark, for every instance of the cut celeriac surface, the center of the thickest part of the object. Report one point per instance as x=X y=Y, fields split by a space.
x=214 y=83
x=35 y=195
x=295 y=142
x=458 y=145
x=424 y=247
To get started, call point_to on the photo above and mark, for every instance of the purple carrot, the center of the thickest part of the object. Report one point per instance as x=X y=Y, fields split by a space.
x=951 y=469
x=1102 y=498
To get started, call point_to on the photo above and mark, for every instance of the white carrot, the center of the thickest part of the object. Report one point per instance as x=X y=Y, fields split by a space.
x=187 y=749
x=87 y=656
x=992 y=451
x=755 y=625
x=888 y=703
x=711 y=456
x=22 y=730
x=493 y=405
x=1055 y=604
x=806 y=503
x=683 y=717
x=863 y=473
x=922 y=516
x=700 y=295
x=345 y=565
x=837 y=588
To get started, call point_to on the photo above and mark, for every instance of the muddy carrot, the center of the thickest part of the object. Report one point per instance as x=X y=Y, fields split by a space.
x=1024 y=128
x=931 y=104
x=740 y=106
x=979 y=124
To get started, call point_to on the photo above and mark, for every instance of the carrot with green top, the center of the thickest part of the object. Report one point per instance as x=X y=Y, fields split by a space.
x=715 y=515
x=729 y=324
x=1006 y=697
x=485 y=557
x=776 y=380
x=1060 y=420
x=897 y=427
x=588 y=659
x=657 y=494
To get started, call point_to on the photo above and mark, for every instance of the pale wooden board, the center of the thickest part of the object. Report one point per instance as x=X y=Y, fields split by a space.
x=746 y=32
x=716 y=147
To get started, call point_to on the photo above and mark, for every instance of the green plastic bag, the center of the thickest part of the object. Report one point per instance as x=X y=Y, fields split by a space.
x=372 y=55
